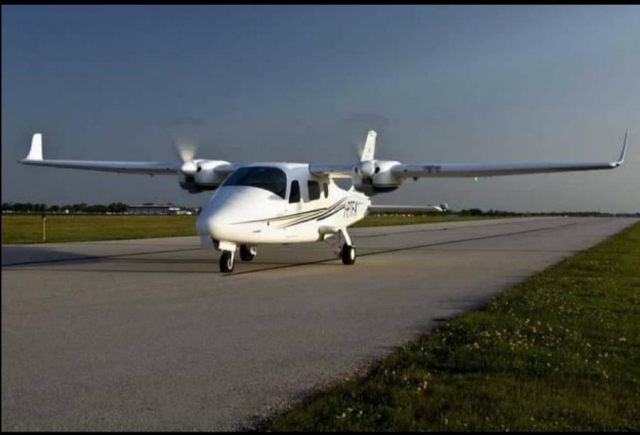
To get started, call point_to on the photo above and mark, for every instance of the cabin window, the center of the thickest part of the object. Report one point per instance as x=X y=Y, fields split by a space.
x=294 y=196
x=325 y=187
x=314 y=190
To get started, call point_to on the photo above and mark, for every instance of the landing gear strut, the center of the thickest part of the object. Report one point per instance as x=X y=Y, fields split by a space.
x=226 y=261
x=247 y=252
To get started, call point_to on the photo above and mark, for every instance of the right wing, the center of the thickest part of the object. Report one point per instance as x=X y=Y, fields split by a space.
x=149 y=168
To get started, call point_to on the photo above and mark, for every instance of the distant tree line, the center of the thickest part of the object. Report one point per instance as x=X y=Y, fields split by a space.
x=120 y=207
x=491 y=212
x=28 y=207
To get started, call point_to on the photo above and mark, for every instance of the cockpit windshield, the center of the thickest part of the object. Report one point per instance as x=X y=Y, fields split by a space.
x=264 y=177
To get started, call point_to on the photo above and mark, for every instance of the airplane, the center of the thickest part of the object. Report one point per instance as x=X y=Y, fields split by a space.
x=283 y=203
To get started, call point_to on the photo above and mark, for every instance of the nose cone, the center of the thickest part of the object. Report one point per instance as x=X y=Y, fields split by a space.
x=217 y=224
x=236 y=213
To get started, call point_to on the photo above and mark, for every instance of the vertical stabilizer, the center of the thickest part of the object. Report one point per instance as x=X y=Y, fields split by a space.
x=369 y=146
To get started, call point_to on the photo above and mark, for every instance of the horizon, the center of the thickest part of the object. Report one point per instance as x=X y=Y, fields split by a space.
x=71 y=205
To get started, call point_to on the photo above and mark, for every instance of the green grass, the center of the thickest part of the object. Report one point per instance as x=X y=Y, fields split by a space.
x=560 y=351
x=22 y=229
x=75 y=228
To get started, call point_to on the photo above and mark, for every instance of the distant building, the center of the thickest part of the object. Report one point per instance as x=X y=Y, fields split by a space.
x=157 y=209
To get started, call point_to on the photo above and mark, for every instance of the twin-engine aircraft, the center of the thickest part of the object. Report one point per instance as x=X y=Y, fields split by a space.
x=282 y=203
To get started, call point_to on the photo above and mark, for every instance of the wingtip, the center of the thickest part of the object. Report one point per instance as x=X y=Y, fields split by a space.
x=35 y=152
x=624 y=148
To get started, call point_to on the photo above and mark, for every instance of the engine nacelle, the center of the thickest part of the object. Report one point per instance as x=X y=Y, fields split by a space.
x=381 y=181
x=205 y=178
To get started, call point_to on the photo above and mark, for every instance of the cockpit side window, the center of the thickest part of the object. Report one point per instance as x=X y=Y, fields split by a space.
x=314 y=190
x=294 y=196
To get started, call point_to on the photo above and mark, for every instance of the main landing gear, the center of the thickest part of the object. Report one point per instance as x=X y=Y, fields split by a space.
x=348 y=254
x=247 y=253
x=344 y=248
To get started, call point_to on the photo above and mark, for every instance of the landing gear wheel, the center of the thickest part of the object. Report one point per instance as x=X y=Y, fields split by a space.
x=248 y=253
x=348 y=254
x=226 y=262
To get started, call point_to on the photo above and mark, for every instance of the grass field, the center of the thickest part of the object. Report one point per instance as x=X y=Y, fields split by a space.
x=76 y=228
x=559 y=352
x=20 y=229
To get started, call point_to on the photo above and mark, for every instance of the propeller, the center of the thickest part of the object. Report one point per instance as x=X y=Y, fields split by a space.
x=356 y=145
x=185 y=131
x=355 y=127
x=186 y=151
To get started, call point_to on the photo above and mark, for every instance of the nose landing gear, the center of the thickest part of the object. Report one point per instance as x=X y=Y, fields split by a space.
x=226 y=261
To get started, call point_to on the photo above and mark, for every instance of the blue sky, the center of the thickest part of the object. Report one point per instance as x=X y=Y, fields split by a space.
x=301 y=83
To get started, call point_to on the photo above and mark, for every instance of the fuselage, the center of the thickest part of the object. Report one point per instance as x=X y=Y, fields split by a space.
x=278 y=203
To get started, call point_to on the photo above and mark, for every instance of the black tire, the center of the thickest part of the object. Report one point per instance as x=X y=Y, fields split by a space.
x=246 y=254
x=226 y=262
x=348 y=254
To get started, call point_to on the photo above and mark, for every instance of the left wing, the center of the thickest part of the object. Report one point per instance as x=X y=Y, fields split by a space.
x=407 y=208
x=443 y=170
x=495 y=169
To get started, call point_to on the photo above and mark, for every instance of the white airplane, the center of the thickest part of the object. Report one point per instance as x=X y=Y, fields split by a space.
x=282 y=203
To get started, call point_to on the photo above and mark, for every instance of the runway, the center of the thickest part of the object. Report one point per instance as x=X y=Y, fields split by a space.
x=148 y=335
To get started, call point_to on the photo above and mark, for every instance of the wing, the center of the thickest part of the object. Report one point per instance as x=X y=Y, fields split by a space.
x=443 y=170
x=332 y=170
x=405 y=208
x=497 y=169
x=150 y=168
